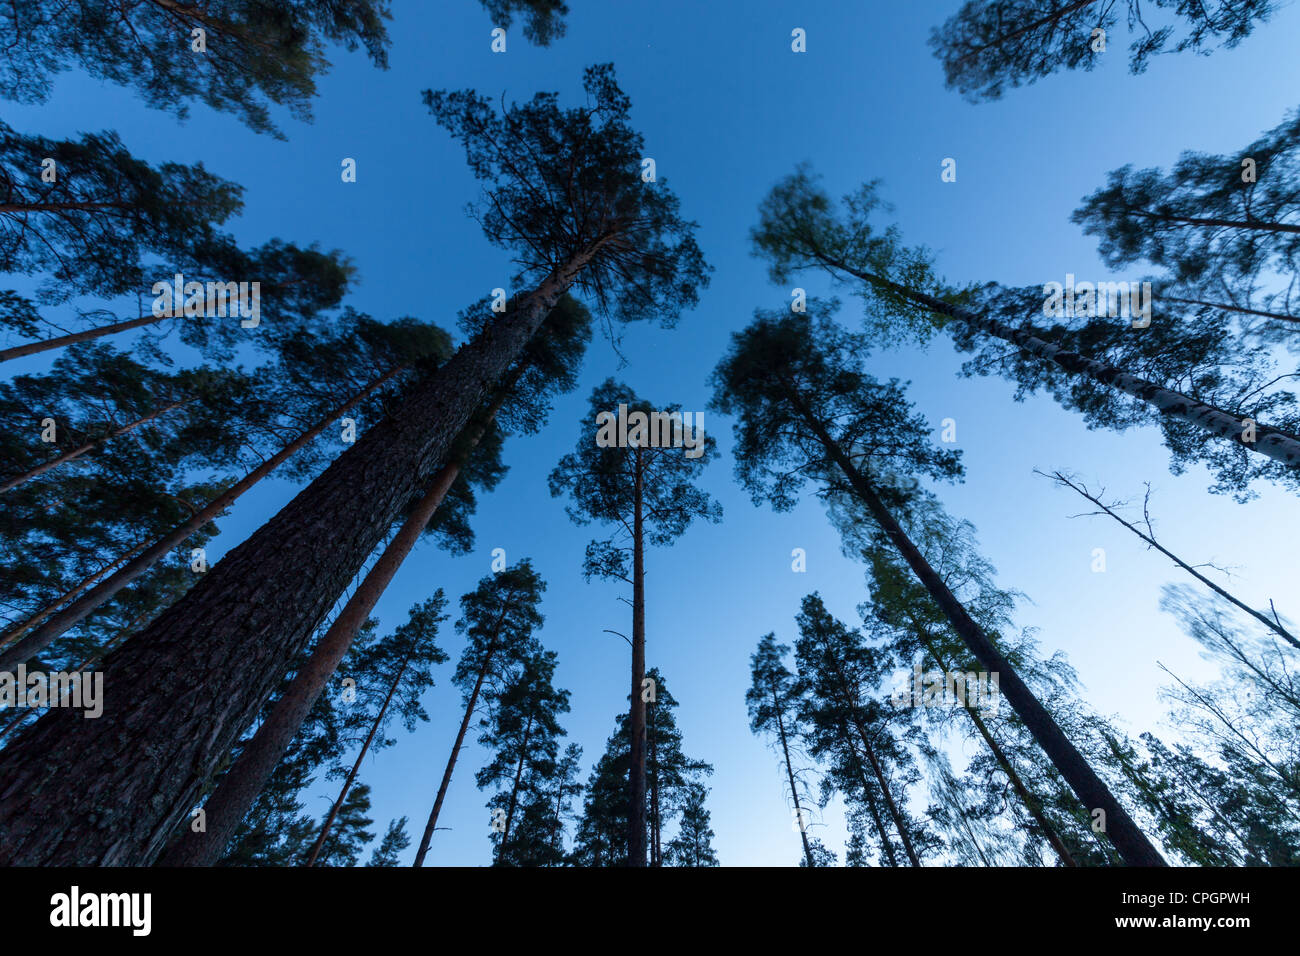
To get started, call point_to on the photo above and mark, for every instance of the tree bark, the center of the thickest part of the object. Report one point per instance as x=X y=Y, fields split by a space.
x=1131 y=843
x=67 y=456
x=240 y=787
x=142 y=765
x=79 y=609
x=1272 y=442
x=45 y=345
x=636 y=778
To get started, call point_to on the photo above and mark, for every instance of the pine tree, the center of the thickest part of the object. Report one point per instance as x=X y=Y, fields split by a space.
x=395 y=840
x=498 y=619
x=241 y=56
x=804 y=408
x=800 y=229
x=693 y=844
x=989 y=45
x=615 y=237
x=645 y=489
x=771 y=704
x=543 y=19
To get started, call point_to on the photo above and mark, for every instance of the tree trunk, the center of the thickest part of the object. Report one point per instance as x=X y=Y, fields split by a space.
x=240 y=787
x=1276 y=444
x=870 y=803
x=1131 y=843
x=900 y=823
x=1218 y=223
x=143 y=764
x=778 y=706
x=45 y=345
x=1030 y=802
x=656 y=849
x=636 y=778
x=451 y=765
x=11 y=635
x=1151 y=542
x=356 y=768
x=1226 y=307
x=514 y=790
x=79 y=609
x=67 y=456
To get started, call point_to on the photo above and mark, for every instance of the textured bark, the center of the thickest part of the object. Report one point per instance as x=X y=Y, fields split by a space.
x=240 y=787
x=777 y=706
x=1130 y=841
x=636 y=778
x=356 y=768
x=112 y=790
x=1272 y=442
x=68 y=456
x=77 y=611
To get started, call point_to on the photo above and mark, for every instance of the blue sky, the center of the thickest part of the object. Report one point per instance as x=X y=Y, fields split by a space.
x=726 y=108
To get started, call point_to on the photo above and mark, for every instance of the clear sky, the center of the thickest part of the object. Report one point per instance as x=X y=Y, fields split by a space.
x=726 y=108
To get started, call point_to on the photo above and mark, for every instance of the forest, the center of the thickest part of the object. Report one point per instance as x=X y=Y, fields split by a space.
x=511 y=433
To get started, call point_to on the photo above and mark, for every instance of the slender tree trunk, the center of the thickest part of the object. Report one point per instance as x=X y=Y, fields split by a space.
x=356 y=768
x=1272 y=442
x=1131 y=843
x=636 y=817
x=143 y=764
x=870 y=802
x=239 y=788
x=895 y=814
x=1273 y=625
x=1030 y=802
x=62 y=341
x=67 y=456
x=79 y=609
x=451 y=765
x=778 y=707
x=1218 y=223
x=656 y=850
x=11 y=635
x=1226 y=307
x=514 y=790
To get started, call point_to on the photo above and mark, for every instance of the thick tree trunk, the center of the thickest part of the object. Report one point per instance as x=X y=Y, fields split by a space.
x=1272 y=442
x=1131 y=843
x=79 y=609
x=141 y=766
x=636 y=778
x=356 y=768
x=68 y=456
x=778 y=707
x=239 y=788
